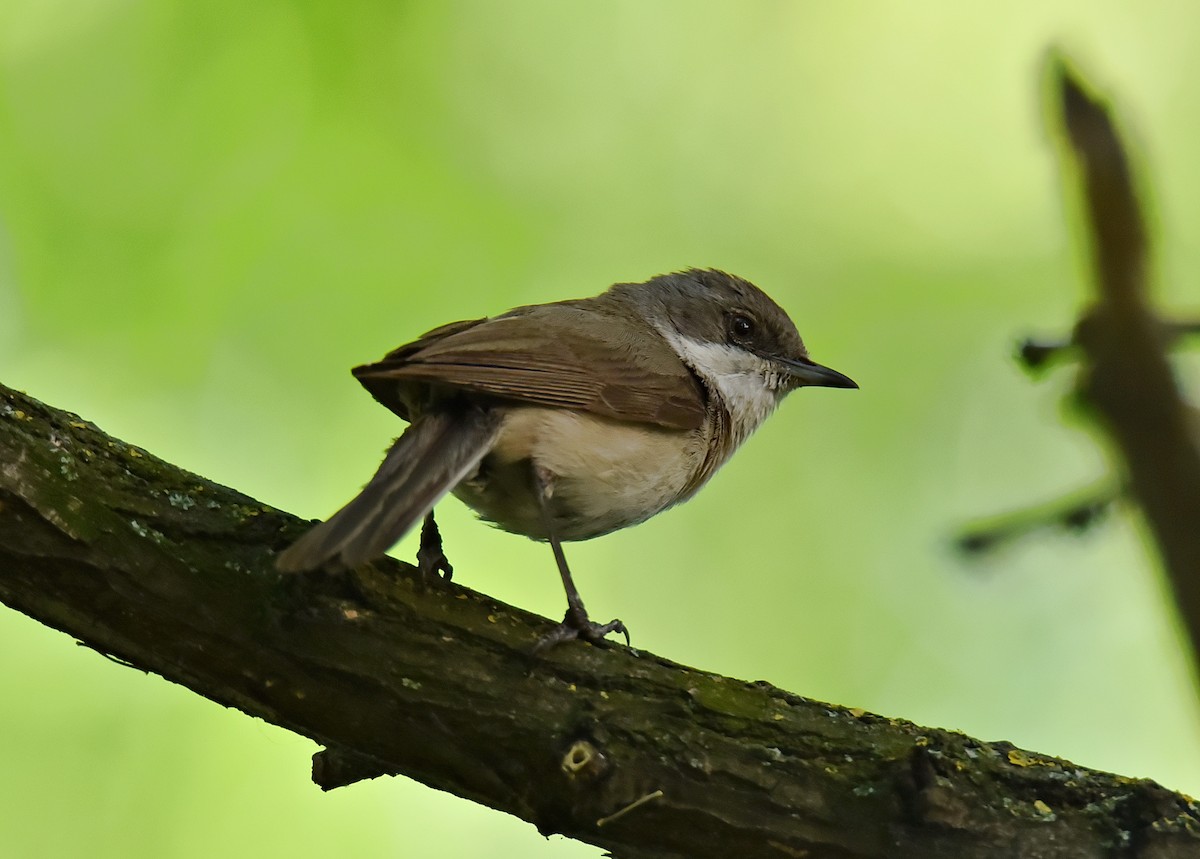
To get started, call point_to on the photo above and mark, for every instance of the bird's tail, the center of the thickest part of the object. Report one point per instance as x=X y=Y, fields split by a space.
x=433 y=456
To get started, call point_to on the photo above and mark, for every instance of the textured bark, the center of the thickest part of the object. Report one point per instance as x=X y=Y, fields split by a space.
x=173 y=574
x=1127 y=376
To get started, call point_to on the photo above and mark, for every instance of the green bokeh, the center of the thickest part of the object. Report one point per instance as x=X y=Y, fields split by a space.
x=210 y=211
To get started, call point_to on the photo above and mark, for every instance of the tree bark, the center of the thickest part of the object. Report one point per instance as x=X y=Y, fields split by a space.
x=174 y=574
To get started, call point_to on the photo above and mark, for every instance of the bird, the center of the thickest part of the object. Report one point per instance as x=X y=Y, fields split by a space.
x=569 y=420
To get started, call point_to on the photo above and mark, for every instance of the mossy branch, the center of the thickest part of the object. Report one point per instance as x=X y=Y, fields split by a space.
x=174 y=574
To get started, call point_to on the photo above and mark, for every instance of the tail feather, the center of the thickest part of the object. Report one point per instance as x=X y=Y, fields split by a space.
x=433 y=456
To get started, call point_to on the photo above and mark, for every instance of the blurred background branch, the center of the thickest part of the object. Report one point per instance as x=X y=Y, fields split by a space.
x=1126 y=381
x=1127 y=375
x=1076 y=513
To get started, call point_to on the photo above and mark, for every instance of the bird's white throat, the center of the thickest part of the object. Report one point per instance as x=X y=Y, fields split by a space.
x=749 y=386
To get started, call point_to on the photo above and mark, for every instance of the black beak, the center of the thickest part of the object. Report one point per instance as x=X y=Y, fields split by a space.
x=804 y=372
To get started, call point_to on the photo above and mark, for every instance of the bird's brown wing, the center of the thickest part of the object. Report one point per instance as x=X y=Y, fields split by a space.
x=561 y=355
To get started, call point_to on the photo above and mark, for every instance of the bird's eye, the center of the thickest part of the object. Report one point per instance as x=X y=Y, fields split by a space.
x=740 y=327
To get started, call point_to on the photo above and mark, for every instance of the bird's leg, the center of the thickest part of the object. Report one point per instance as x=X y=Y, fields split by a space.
x=431 y=560
x=576 y=623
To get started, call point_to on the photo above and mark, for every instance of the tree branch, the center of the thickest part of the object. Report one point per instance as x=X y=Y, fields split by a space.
x=1127 y=377
x=173 y=574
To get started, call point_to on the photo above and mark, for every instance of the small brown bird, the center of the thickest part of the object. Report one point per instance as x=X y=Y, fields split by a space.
x=569 y=420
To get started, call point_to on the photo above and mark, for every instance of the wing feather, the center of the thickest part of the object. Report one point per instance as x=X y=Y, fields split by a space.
x=561 y=355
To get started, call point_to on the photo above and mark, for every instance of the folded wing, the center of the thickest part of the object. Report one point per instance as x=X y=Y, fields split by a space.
x=559 y=355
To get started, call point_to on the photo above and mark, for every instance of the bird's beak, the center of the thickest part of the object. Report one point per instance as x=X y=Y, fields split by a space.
x=803 y=372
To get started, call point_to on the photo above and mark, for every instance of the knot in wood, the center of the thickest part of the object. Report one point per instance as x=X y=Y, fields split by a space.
x=583 y=761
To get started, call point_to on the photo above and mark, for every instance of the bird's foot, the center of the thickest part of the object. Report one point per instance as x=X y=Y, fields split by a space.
x=576 y=625
x=432 y=563
x=433 y=566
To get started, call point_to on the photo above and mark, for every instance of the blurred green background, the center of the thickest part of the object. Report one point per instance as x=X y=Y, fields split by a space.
x=210 y=211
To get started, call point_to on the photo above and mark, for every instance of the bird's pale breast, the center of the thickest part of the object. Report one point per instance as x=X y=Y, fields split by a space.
x=606 y=475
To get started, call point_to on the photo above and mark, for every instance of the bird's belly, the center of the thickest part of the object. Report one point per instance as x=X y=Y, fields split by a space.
x=605 y=475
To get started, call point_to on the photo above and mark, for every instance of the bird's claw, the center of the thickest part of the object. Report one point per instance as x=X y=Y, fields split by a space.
x=578 y=626
x=433 y=566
